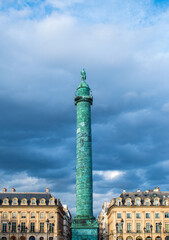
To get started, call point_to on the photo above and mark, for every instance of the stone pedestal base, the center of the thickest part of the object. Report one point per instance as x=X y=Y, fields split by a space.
x=84 y=229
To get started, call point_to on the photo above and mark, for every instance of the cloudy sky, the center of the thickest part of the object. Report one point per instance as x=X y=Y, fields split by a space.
x=124 y=47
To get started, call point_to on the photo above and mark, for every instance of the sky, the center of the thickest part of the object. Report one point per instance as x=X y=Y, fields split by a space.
x=123 y=46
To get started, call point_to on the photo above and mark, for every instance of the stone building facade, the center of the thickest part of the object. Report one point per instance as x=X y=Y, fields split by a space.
x=139 y=216
x=30 y=216
x=103 y=222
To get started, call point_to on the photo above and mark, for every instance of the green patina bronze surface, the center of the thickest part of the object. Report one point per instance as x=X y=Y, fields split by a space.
x=84 y=225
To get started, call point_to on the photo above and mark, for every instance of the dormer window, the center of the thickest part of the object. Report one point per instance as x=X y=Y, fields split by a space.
x=51 y=201
x=137 y=202
x=15 y=201
x=33 y=201
x=147 y=202
x=5 y=201
x=156 y=202
x=24 y=201
x=42 y=201
x=128 y=203
x=119 y=202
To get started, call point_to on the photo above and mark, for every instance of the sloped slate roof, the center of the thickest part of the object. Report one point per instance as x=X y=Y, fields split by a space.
x=143 y=195
x=27 y=195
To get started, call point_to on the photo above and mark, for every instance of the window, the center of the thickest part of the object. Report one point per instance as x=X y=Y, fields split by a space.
x=14 y=201
x=32 y=227
x=118 y=215
x=41 y=227
x=147 y=215
x=157 y=215
x=166 y=202
x=5 y=201
x=128 y=227
x=52 y=202
x=51 y=215
x=147 y=202
x=33 y=201
x=22 y=227
x=148 y=227
x=119 y=227
x=118 y=202
x=51 y=227
x=166 y=215
x=156 y=202
x=42 y=215
x=138 y=215
x=4 y=227
x=13 y=226
x=128 y=203
x=5 y=215
x=24 y=201
x=23 y=215
x=14 y=215
x=42 y=201
x=167 y=227
x=128 y=215
x=138 y=227
x=158 y=228
x=137 y=202
x=32 y=215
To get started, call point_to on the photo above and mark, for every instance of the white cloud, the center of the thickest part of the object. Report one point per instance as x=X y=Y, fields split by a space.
x=109 y=175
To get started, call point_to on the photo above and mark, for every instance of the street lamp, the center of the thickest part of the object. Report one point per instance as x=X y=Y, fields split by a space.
x=19 y=228
x=9 y=225
x=122 y=221
x=47 y=222
x=151 y=227
x=26 y=229
x=116 y=227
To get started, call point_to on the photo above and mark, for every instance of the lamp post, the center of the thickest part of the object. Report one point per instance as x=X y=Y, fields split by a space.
x=122 y=222
x=47 y=222
x=26 y=229
x=9 y=225
x=19 y=228
x=151 y=228
x=160 y=225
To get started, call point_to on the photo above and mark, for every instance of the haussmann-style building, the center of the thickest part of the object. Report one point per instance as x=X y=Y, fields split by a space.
x=32 y=216
x=139 y=216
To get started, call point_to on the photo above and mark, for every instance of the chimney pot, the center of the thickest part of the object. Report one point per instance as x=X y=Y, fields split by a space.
x=13 y=190
x=47 y=190
x=4 y=189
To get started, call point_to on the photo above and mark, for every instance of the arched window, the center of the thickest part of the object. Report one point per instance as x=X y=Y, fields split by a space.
x=15 y=201
x=137 y=202
x=41 y=238
x=147 y=202
x=129 y=238
x=156 y=202
x=33 y=201
x=128 y=202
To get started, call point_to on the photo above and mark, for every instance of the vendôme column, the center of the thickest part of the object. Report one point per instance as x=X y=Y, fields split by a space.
x=84 y=225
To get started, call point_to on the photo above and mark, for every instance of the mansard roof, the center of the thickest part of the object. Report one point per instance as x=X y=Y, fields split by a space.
x=27 y=195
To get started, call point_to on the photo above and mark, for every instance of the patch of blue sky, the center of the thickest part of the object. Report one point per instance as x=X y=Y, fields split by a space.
x=116 y=11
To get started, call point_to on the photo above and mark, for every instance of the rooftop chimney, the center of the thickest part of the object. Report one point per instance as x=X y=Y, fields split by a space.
x=4 y=189
x=124 y=190
x=13 y=190
x=156 y=189
x=47 y=190
x=138 y=190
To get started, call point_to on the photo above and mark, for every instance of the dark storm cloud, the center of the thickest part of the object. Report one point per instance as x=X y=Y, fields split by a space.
x=127 y=69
